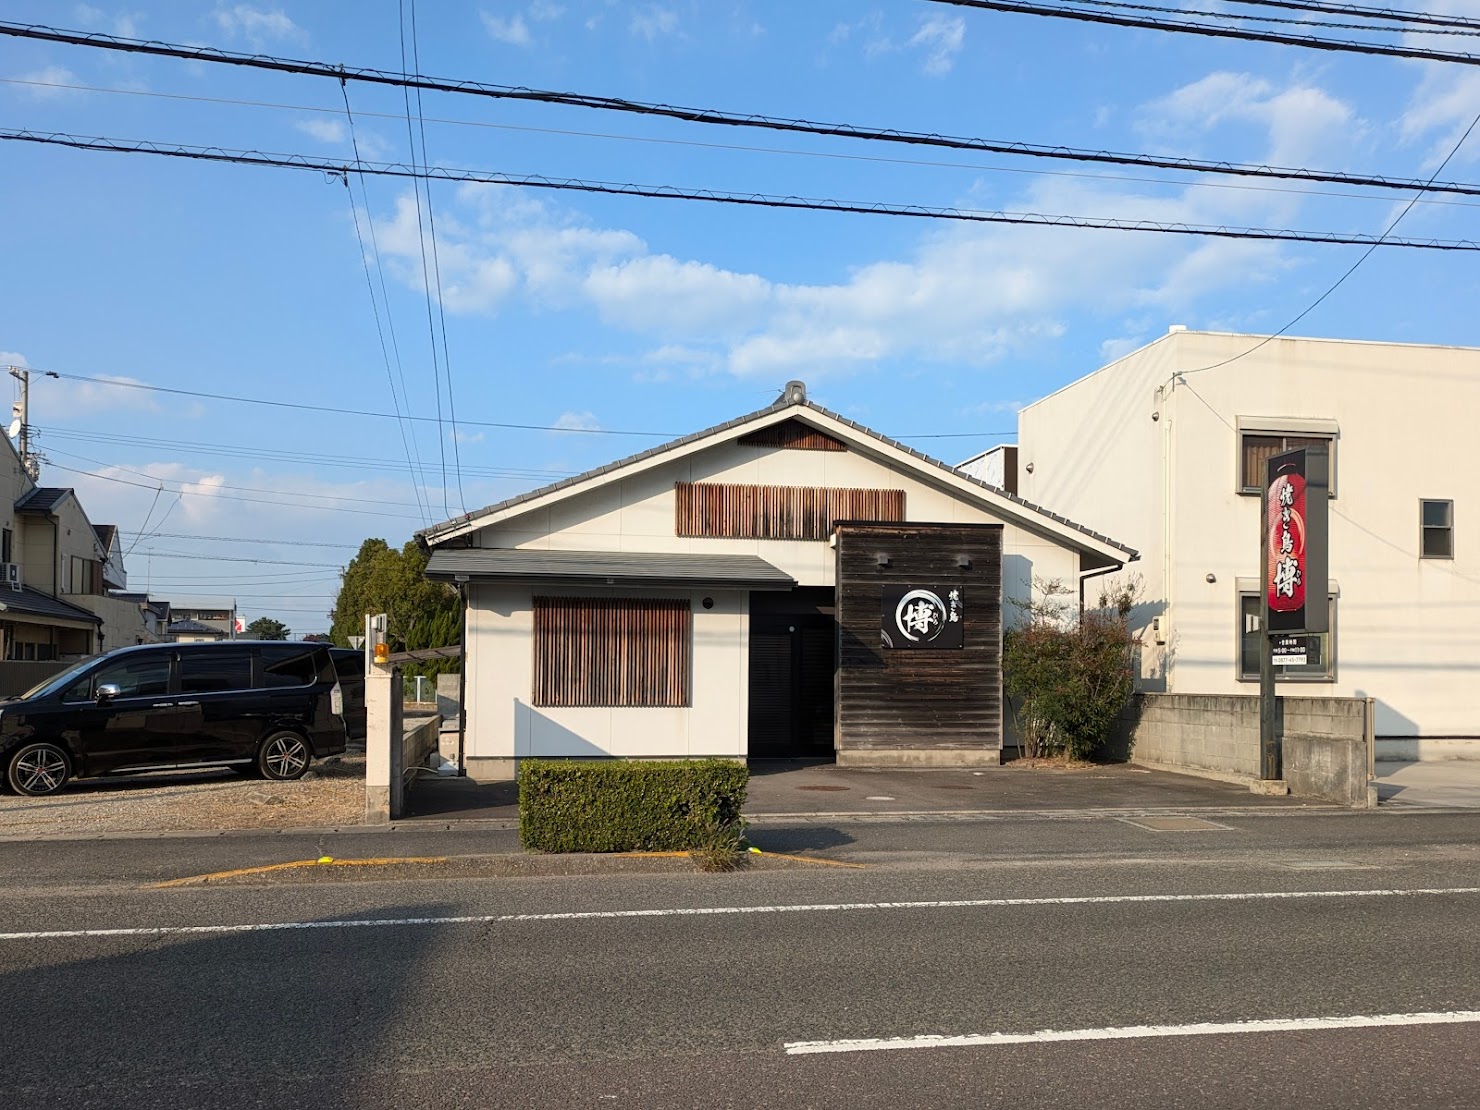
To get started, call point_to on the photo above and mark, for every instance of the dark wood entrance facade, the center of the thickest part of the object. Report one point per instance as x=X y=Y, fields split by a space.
x=793 y=665
x=919 y=613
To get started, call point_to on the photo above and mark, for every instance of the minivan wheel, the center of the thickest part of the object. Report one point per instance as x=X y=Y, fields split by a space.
x=36 y=770
x=283 y=756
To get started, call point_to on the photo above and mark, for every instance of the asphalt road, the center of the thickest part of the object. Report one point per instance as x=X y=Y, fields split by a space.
x=613 y=991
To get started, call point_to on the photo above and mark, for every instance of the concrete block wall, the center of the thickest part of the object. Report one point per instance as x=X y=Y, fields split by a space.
x=1327 y=741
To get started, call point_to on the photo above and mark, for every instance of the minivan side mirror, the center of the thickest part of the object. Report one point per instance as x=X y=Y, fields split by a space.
x=108 y=691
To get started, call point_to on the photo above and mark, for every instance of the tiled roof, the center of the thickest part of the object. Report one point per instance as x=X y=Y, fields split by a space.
x=430 y=535
x=42 y=499
x=37 y=604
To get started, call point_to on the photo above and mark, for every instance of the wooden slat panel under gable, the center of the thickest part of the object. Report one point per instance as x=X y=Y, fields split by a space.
x=713 y=510
x=792 y=435
x=619 y=652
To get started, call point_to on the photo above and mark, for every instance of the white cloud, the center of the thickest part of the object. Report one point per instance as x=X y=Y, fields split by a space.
x=1442 y=107
x=13 y=358
x=1112 y=349
x=46 y=81
x=324 y=130
x=460 y=436
x=1305 y=125
x=256 y=25
x=512 y=30
x=578 y=422
x=125 y=24
x=654 y=22
x=545 y=10
x=963 y=295
x=941 y=38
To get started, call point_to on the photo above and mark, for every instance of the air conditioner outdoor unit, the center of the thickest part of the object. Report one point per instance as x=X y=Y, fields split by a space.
x=13 y=575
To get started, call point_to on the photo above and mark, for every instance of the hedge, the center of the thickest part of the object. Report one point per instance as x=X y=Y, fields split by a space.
x=622 y=805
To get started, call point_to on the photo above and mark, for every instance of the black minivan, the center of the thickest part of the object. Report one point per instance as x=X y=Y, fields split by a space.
x=266 y=707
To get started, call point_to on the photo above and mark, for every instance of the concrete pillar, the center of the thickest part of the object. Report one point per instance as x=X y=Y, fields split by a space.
x=384 y=777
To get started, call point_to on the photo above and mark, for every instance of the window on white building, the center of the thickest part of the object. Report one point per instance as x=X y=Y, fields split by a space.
x=1257 y=448
x=1320 y=647
x=1437 y=539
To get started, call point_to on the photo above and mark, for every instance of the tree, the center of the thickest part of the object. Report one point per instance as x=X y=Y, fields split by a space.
x=1069 y=675
x=265 y=628
x=419 y=613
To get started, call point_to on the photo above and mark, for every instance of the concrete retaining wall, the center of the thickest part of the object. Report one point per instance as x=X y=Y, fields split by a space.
x=1328 y=743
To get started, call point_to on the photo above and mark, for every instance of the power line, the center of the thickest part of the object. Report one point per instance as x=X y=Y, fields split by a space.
x=252 y=539
x=235 y=559
x=334 y=409
x=417 y=479
x=752 y=200
x=1396 y=14
x=222 y=496
x=258 y=454
x=1339 y=281
x=1067 y=153
x=1465 y=29
x=426 y=281
x=1311 y=42
x=710 y=116
x=436 y=269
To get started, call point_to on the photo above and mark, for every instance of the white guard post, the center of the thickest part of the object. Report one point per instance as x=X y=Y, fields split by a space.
x=384 y=749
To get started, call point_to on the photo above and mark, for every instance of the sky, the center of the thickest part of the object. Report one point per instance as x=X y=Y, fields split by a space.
x=606 y=323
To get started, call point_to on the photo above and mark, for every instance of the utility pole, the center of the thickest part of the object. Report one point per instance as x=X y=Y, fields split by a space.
x=20 y=424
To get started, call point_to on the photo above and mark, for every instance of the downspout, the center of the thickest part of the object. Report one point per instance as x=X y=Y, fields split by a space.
x=462 y=682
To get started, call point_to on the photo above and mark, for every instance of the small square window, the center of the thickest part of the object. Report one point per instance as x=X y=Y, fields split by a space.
x=1437 y=540
x=1256 y=449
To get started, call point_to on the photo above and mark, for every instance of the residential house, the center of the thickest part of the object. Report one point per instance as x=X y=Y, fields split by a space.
x=1164 y=448
x=787 y=583
x=199 y=620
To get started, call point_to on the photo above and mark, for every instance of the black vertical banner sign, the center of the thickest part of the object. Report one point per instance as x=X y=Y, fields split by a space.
x=1297 y=529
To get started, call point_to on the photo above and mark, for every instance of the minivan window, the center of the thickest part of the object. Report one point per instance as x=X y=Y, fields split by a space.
x=285 y=665
x=138 y=676
x=207 y=672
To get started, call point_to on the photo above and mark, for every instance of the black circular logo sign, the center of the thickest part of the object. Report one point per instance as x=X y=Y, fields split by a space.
x=920 y=616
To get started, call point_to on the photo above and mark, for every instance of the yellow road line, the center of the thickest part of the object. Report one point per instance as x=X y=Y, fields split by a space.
x=325 y=861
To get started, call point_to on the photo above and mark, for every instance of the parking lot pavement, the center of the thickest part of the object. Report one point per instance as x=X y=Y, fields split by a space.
x=1450 y=783
x=798 y=786
x=332 y=793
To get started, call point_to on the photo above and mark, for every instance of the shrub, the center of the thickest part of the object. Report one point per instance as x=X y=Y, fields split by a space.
x=624 y=805
x=1069 y=675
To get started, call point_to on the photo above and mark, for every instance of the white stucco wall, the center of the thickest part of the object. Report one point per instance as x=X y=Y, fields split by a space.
x=1408 y=629
x=503 y=724
x=638 y=514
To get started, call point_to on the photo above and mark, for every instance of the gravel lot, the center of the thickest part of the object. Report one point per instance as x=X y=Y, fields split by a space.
x=332 y=793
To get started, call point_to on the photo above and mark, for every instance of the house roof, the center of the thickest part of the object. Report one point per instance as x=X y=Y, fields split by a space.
x=37 y=604
x=794 y=405
x=606 y=568
x=42 y=499
x=106 y=534
x=192 y=626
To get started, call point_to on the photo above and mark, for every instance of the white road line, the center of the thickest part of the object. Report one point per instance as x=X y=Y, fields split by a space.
x=1136 y=1032
x=726 y=911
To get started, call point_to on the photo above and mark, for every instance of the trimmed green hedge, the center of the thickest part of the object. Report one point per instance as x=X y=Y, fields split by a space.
x=621 y=805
